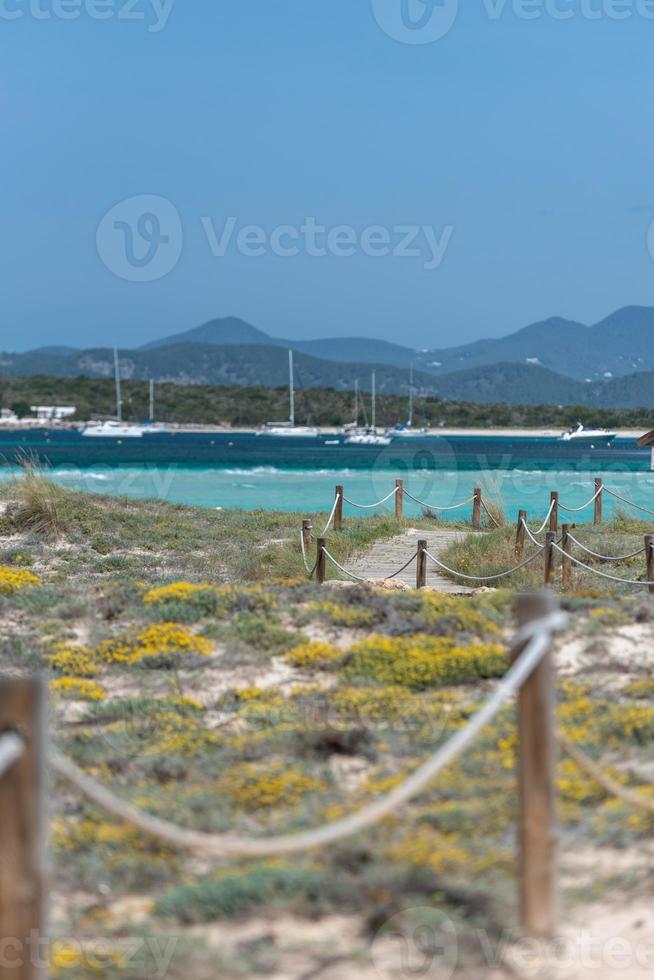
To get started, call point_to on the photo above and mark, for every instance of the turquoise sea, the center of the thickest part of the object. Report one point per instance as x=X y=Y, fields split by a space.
x=250 y=472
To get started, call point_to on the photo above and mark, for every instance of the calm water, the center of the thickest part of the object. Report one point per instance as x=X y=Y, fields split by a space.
x=250 y=472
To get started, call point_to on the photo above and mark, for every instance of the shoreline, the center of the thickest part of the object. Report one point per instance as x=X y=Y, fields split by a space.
x=449 y=431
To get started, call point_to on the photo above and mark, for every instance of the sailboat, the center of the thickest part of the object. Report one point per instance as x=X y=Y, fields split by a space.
x=114 y=428
x=153 y=428
x=407 y=431
x=290 y=429
x=369 y=436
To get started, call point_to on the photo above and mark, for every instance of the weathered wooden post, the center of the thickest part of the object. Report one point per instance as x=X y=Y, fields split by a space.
x=399 y=499
x=22 y=832
x=599 y=490
x=548 y=556
x=320 y=561
x=421 y=565
x=649 y=557
x=554 y=514
x=537 y=785
x=520 y=534
x=566 y=564
x=307 y=528
x=338 y=513
x=476 y=509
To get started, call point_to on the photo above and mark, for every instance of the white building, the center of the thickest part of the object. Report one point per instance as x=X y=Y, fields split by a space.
x=53 y=413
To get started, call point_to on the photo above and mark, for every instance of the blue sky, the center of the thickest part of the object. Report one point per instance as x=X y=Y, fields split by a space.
x=523 y=145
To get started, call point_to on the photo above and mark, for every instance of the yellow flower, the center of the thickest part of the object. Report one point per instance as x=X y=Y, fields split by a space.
x=156 y=639
x=81 y=690
x=76 y=661
x=316 y=655
x=14 y=579
x=177 y=592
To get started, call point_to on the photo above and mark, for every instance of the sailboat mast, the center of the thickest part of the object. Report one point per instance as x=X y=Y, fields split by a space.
x=374 y=399
x=291 y=389
x=356 y=402
x=411 y=396
x=119 y=399
x=151 y=400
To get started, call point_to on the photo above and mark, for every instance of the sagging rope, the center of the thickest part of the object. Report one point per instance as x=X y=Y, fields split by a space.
x=608 y=784
x=331 y=516
x=371 y=506
x=482 y=578
x=11 y=749
x=358 y=578
x=423 y=503
x=547 y=517
x=304 y=554
x=531 y=536
x=632 y=503
x=488 y=513
x=595 y=554
x=536 y=636
x=575 y=510
x=596 y=571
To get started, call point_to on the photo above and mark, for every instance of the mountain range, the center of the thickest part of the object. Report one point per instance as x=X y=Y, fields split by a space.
x=555 y=361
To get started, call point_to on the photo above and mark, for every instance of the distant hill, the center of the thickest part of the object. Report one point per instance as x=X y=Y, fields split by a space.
x=616 y=346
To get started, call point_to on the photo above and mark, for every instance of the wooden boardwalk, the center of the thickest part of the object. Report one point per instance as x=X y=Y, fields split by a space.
x=385 y=557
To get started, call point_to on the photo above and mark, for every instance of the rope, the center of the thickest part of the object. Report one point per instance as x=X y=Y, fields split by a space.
x=488 y=513
x=531 y=536
x=588 y=551
x=404 y=567
x=596 y=571
x=482 y=578
x=11 y=749
x=422 y=503
x=631 y=503
x=304 y=553
x=537 y=637
x=357 y=578
x=372 y=506
x=575 y=510
x=606 y=782
x=547 y=517
x=331 y=516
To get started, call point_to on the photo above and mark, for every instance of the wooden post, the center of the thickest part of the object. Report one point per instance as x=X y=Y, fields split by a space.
x=307 y=528
x=649 y=556
x=548 y=556
x=22 y=833
x=399 y=499
x=599 y=489
x=554 y=516
x=537 y=786
x=520 y=534
x=476 y=509
x=421 y=566
x=320 y=561
x=566 y=564
x=338 y=513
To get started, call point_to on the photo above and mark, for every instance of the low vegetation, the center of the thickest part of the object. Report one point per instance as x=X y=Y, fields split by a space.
x=197 y=671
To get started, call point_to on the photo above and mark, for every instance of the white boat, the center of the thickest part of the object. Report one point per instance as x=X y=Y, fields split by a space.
x=290 y=429
x=113 y=429
x=580 y=434
x=368 y=436
x=407 y=431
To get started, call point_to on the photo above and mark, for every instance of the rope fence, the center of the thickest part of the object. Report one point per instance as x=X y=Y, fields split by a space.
x=547 y=548
x=530 y=677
